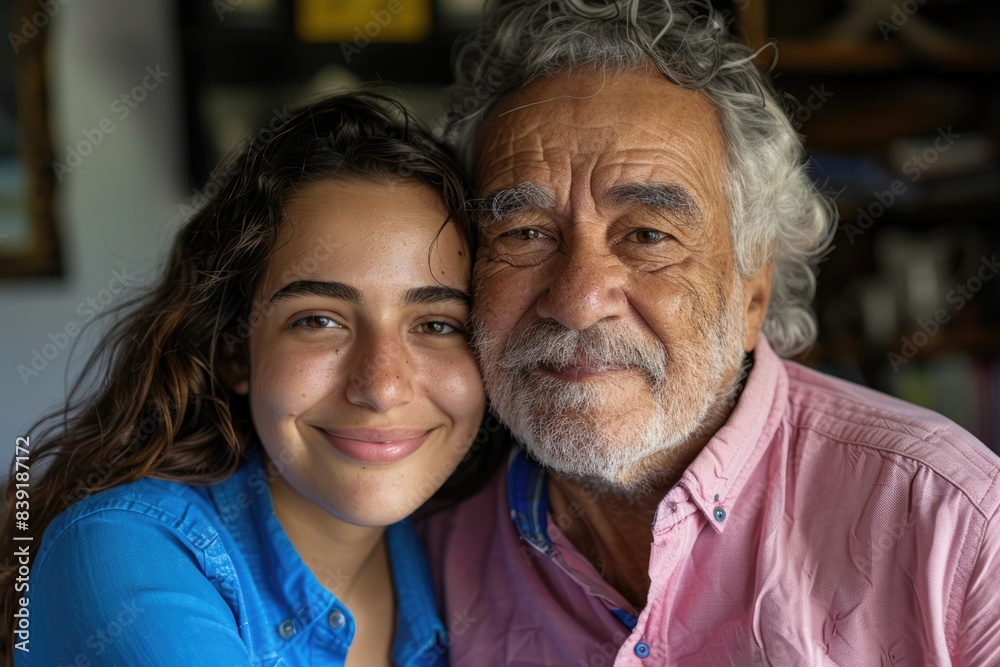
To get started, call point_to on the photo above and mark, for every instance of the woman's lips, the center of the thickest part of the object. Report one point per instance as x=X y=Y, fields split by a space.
x=369 y=445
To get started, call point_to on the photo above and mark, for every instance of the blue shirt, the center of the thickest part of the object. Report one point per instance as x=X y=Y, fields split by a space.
x=164 y=573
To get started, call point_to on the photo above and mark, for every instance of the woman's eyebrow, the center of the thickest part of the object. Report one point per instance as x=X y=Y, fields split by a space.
x=435 y=294
x=344 y=292
x=332 y=290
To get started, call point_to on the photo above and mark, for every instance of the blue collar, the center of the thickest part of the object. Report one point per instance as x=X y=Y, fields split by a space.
x=528 y=497
x=247 y=511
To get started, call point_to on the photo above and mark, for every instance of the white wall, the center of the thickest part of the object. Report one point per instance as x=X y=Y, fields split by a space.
x=118 y=208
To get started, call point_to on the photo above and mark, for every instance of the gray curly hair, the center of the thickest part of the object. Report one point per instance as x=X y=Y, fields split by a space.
x=776 y=211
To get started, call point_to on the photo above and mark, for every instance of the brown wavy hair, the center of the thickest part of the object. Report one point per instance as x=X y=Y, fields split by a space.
x=150 y=401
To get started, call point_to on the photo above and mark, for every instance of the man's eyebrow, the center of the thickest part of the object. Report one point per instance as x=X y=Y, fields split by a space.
x=661 y=196
x=436 y=294
x=331 y=290
x=497 y=205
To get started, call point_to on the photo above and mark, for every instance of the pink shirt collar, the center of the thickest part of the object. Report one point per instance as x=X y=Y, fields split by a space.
x=718 y=475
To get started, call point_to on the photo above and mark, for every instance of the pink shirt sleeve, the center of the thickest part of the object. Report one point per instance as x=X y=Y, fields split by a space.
x=979 y=624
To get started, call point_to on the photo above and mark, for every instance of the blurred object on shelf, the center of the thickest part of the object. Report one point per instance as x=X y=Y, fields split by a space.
x=942 y=275
x=947 y=173
x=460 y=14
x=918 y=268
x=876 y=35
x=864 y=115
x=947 y=153
x=876 y=307
x=363 y=21
x=261 y=15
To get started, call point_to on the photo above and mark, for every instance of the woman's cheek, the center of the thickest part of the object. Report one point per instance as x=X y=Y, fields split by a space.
x=458 y=389
x=289 y=381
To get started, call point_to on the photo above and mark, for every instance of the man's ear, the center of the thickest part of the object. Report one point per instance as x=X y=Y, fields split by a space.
x=234 y=367
x=756 y=297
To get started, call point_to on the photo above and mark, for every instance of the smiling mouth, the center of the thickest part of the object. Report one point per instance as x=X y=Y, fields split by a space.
x=372 y=445
x=581 y=372
x=581 y=368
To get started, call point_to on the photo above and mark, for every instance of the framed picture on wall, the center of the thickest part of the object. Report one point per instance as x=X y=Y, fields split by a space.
x=29 y=243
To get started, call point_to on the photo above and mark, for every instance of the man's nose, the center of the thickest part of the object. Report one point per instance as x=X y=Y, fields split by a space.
x=381 y=376
x=585 y=286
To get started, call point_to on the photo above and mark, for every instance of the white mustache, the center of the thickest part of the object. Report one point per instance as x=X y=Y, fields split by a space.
x=548 y=343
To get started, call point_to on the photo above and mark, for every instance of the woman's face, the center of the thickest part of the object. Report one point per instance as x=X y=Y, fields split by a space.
x=362 y=386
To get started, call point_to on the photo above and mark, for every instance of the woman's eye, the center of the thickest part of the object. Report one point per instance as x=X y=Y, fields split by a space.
x=647 y=236
x=315 y=322
x=437 y=328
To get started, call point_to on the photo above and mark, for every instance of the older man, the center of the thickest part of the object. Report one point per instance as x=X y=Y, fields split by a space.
x=686 y=497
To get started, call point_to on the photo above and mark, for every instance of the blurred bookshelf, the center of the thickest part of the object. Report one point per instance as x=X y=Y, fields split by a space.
x=899 y=104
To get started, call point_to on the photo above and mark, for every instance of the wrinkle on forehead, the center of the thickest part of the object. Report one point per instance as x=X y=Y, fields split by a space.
x=570 y=90
x=636 y=129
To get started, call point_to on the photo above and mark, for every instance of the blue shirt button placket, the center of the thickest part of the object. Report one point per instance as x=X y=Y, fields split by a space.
x=287 y=629
x=336 y=619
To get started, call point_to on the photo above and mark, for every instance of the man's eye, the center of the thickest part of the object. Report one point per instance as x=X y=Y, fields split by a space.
x=315 y=322
x=647 y=236
x=522 y=247
x=437 y=328
x=523 y=234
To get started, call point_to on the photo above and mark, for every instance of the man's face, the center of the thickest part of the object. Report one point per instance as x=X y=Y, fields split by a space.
x=609 y=316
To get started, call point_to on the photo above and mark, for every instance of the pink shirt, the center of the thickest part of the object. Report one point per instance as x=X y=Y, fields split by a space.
x=824 y=524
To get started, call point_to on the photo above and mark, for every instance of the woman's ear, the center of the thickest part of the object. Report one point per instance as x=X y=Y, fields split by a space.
x=234 y=367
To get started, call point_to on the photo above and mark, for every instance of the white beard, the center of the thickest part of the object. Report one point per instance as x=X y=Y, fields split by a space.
x=585 y=430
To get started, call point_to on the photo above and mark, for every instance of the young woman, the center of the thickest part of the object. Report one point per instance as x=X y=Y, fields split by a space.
x=299 y=381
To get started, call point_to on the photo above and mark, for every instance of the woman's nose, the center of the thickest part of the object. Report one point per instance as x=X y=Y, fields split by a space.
x=381 y=377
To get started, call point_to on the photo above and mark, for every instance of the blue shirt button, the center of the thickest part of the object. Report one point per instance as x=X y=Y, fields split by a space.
x=287 y=629
x=336 y=619
x=642 y=650
x=720 y=514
